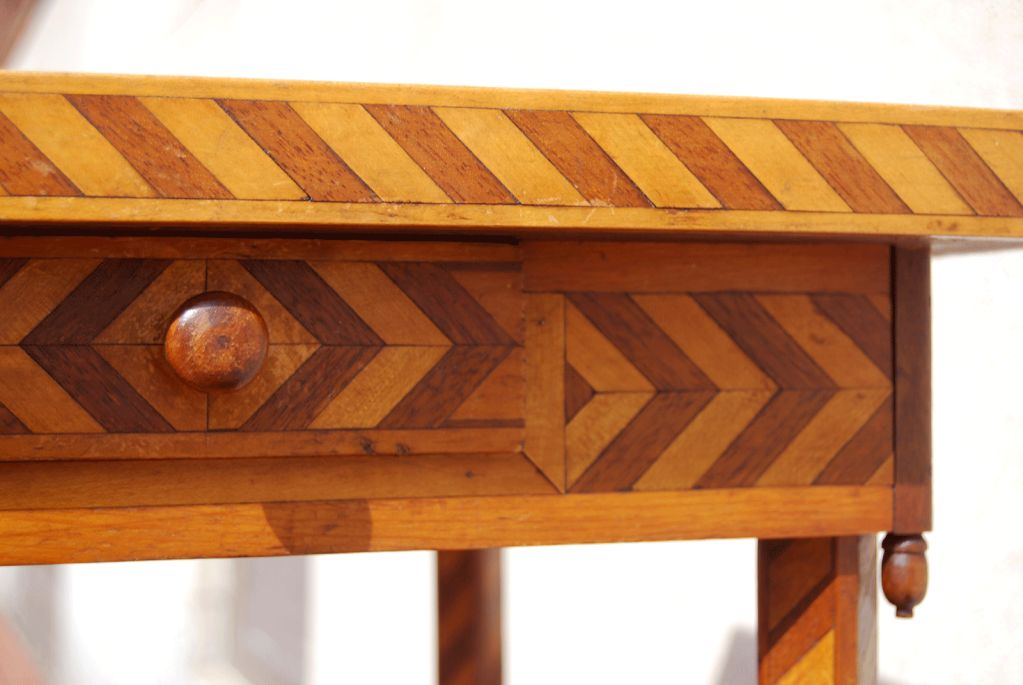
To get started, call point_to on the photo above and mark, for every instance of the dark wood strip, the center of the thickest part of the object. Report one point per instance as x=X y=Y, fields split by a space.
x=309 y=390
x=296 y=147
x=711 y=161
x=485 y=423
x=445 y=387
x=808 y=571
x=764 y=340
x=469 y=617
x=9 y=423
x=857 y=461
x=862 y=323
x=842 y=166
x=642 y=341
x=577 y=392
x=912 y=317
x=25 y=170
x=756 y=448
x=9 y=267
x=578 y=157
x=99 y=389
x=439 y=152
x=96 y=302
x=315 y=304
x=965 y=170
x=642 y=442
x=445 y=302
x=156 y=154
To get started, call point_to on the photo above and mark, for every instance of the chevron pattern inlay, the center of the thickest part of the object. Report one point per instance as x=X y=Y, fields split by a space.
x=721 y=388
x=355 y=345
x=351 y=152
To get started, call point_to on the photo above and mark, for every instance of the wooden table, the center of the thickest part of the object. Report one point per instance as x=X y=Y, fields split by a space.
x=264 y=318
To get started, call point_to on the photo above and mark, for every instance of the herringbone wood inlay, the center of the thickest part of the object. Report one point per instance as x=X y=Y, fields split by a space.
x=642 y=367
x=718 y=380
x=259 y=149
x=422 y=349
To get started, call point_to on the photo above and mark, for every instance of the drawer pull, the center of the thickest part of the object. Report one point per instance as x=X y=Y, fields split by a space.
x=216 y=341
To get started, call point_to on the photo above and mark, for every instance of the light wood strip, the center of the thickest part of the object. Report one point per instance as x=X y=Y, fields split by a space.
x=830 y=348
x=965 y=170
x=35 y=290
x=327 y=218
x=499 y=398
x=156 y=154
x=71 y=142
x=781 y=650
x=385 y=381
x=243 y=445
x=105 y=534
x=705 y=267
x=816 y=667
x=510 y=156
x=223 y=148
x=703 y=440
x=47 y=408
x=156 y=482
x=775 y=161
x=298 y=150
x=1003 y=152
x=229 y=411
x=704 y=342
x=545 y=388
x=145 y=320
x=596 y=425
x=229 y=275
x=810 y=451
x=905 y=168
x=380 y=303
x=578 y=157
x=427 y=140
x=646 y=160
x=190 y=86
x=596 y=359
x=372 y=154
x=885 y=474
x=145 y=369
x=237 y=247
x=25 y=170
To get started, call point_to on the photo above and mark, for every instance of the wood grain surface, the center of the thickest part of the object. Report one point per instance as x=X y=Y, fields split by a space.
x=817 y=606
x=231 y=153
x=469 y=617
x=401 y=370
x=912 y=325
x=271 y=529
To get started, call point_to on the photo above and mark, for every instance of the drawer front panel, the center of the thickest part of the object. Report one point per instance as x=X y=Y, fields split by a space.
x=386 y=351
x=716 y=366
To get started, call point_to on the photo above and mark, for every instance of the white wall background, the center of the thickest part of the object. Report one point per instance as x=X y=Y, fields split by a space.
x=657 y=613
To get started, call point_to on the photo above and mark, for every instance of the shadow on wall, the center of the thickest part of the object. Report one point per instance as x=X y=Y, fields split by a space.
x=739 y=664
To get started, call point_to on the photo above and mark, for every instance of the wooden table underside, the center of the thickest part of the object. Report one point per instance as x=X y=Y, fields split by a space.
x=495 y=318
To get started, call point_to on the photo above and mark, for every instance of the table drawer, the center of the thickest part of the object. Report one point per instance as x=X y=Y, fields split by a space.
x=403 y=369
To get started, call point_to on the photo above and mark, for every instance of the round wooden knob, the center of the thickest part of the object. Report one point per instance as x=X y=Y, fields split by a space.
x=216 y=341
x=904 y=571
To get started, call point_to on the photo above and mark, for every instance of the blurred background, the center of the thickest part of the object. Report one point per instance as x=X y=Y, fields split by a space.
x=639 y=613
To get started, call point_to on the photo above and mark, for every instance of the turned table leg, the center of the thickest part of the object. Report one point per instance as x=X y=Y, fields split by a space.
x=817 y=606
x=469 y=617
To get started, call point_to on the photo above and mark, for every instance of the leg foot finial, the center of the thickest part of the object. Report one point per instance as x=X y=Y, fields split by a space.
x=904 y=571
